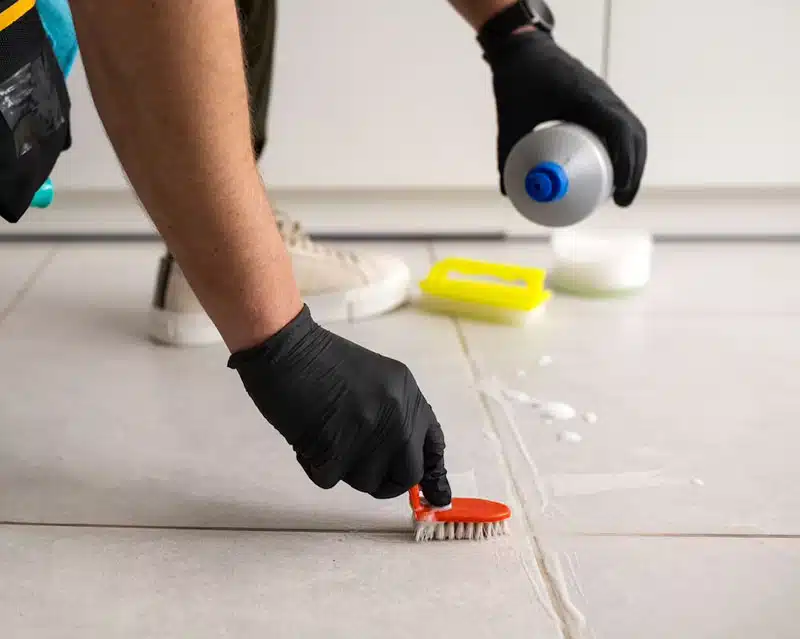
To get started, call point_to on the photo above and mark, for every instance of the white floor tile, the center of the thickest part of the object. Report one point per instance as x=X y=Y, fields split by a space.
x=693 y=384
x=76 y=583
x=663 y=588
x=101 y=426
x=678 y=399
x=89 y=296
x=694 y=394
x=18 y=263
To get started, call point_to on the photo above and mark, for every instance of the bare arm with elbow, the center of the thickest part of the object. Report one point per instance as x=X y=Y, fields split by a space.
x=168 y=81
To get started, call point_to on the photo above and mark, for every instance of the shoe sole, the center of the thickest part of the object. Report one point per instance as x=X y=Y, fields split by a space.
x=196 y=329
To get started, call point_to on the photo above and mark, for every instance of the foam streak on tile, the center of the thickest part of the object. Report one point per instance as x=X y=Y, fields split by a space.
x=570 y=437
x=572 y=622
x=494 y=390
x=532 y=564
x=571 y=484
x=575 y=621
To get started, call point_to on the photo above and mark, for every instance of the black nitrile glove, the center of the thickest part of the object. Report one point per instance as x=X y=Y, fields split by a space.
x=535 y=81
x=350 y=414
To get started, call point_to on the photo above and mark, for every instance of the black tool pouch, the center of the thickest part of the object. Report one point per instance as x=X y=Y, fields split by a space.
x=34 y=107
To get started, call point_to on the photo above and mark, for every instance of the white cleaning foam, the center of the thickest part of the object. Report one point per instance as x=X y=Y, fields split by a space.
x=570 y=437
x=521 y=397
x=558 y=411
x=575 y=621
x=590 y=418
x=549 y=411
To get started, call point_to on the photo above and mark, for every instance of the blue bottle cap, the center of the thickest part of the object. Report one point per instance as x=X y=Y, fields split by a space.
x=546 y=182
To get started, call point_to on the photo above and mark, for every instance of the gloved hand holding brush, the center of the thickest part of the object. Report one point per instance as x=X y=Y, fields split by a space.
x=349 y=413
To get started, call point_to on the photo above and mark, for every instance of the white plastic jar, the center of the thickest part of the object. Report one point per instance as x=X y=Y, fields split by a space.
x=600 y=262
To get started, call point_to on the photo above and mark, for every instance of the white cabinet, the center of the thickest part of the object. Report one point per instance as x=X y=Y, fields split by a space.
x=376 y=95
x=366 y=94
x=717 y=84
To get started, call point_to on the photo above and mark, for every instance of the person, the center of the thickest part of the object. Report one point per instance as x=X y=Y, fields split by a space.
x=169 y=83
x=335 y=284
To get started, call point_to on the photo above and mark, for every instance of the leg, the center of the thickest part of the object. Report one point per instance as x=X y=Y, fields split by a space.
x=258 y=39
x=336 y=285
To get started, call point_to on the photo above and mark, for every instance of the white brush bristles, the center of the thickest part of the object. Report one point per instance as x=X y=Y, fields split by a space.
x=448 y=531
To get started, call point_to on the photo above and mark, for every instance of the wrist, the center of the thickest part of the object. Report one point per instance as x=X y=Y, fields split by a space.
x=265 y=299
x=517 y=17
x=510 y=20
x=478 y=12
x=259 y=323
x=239 y=267
x=283 y=340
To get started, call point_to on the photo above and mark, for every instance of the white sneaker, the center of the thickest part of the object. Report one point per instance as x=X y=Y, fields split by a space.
x=336 y=285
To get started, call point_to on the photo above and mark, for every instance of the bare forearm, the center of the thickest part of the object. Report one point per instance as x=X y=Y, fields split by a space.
x=168 y=82
x=476 y=12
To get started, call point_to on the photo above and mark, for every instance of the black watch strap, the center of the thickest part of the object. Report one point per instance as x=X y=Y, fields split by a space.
x=543 y=17
x=520 y=14
x=505 y=22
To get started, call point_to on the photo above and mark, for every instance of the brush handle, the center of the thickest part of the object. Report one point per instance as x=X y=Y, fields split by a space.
x=413 y=498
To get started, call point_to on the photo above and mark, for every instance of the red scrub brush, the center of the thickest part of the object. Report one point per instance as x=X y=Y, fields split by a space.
x=464 y=518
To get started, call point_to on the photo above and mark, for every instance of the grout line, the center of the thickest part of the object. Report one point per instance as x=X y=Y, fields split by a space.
x=555 y=602
x=375 y=531
x=243 y=529
x=28 y=284
x=430 y=248
x=686 y=535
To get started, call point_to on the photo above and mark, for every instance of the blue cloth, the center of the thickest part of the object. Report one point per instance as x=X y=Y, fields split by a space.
x=57 y=20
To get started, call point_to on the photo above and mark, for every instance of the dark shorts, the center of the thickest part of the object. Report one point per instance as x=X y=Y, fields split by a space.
x=257 y=18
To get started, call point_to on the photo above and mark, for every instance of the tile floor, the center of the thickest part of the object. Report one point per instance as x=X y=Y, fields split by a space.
x=142 y=496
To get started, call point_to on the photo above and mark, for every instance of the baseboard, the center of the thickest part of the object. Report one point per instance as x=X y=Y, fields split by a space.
x=441 y=213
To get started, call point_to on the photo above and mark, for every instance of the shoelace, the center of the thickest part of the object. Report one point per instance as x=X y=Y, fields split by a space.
x=295 y=236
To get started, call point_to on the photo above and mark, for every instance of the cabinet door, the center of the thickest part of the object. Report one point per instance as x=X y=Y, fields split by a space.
x=365 y=95
x=717 y=84
x=375 y=95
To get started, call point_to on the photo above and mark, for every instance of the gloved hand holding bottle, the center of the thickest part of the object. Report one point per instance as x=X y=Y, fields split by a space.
x=536 y=81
